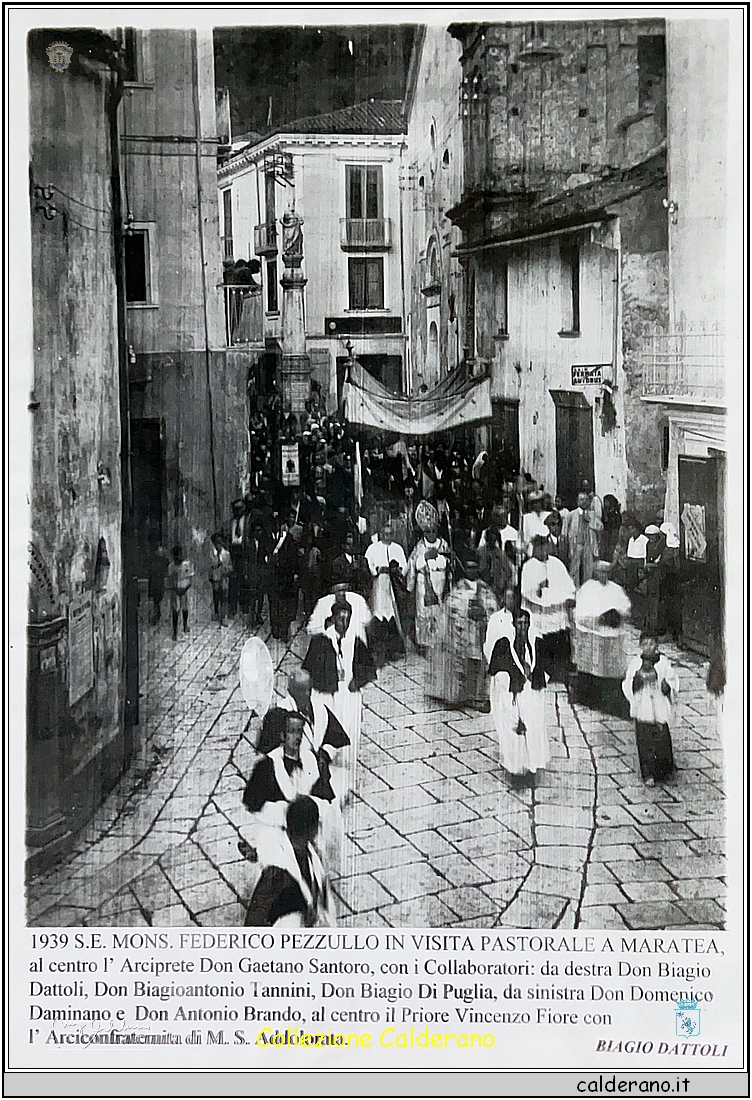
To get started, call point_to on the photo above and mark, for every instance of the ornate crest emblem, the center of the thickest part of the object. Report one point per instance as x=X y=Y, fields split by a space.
x=687 y=1018
x=60 y=54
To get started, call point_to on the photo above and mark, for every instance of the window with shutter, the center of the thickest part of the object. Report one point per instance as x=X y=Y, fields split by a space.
x=366 y=283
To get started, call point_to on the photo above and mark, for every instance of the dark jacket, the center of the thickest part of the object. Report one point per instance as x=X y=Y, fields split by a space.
x=503 y=661
x=321 y=663
x=263 y=787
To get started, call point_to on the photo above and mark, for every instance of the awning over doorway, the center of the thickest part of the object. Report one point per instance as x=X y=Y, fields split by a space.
x=458 y=400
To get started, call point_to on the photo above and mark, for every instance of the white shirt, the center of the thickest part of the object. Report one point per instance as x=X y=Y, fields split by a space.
x=507 y=534
x=649 y=704
x=238 y=528
x=361 y=614
x=534 y=523
x=378 y=555
x=594 y=599
x=548 y=610
x=638 y=547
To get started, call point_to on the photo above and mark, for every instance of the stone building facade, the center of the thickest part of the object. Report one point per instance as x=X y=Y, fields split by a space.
x=187 y=401
x=77 y=739
x=565 y=242
x=342 y=171
x=432 y=185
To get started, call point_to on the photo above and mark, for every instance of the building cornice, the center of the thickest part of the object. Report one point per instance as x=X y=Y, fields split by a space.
x=244 y=160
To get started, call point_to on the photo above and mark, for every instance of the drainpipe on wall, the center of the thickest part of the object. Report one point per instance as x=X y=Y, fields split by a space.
x=129 y=550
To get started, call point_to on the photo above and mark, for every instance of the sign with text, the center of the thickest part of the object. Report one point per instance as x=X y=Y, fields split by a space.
x=583 y=375
x=290 y=464
x=80 y=648
x=695 y=542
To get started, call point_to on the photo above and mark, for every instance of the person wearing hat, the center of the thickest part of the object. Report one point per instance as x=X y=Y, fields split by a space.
x=427 y=574
x=340 y=594
x=457 y=672
x=670 y=610
x=648 y=607
x=534 y=521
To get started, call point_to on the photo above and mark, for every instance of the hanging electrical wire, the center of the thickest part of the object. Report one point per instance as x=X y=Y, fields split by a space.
x=70 y=198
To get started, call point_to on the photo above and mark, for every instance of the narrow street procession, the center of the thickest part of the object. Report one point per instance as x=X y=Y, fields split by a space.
x=388 y=733
x=377 y=544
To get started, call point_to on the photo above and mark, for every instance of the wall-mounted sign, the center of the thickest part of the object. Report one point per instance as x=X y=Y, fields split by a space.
x=80 y=648
x=290 y=464
x=588 y=375
x=693 y=522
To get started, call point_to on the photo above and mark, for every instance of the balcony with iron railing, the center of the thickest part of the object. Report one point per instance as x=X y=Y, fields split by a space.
x=362 y=234
x=685 y=364
x=265 y=239
x=244 y=315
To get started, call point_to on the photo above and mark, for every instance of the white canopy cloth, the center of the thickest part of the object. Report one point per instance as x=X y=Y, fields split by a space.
x=457 y=400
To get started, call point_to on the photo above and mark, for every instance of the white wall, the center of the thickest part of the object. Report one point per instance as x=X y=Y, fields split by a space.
x=535 y=358
x=319 y=166
x=435 y=105
x=697 y=55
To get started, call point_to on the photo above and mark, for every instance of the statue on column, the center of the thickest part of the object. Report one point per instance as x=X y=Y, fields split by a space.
x=292 y=238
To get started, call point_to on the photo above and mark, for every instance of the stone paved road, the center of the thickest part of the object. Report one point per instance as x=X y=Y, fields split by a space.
x=435 y=837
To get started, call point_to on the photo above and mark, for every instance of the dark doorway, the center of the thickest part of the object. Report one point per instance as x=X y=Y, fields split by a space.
x=386 y=369
x=700 y=486
x=574 y=444
x=505 y=440
x=147 y=472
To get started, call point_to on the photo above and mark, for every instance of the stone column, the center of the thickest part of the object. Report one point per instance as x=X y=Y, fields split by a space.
x=296 y=365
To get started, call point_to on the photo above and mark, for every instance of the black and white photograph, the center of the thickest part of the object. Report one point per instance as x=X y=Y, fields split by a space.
x=377 y=527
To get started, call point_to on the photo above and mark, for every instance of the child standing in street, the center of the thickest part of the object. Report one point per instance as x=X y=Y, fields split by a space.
x=651 y=687
x=179 y=580
x=219 y=576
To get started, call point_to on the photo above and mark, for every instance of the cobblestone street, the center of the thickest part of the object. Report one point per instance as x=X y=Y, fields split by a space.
x=435 y=836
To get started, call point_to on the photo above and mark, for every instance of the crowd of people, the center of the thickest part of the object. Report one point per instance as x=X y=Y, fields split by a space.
x=380 y=550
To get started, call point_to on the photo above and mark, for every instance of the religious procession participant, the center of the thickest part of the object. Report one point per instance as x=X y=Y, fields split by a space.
x=283 y=569
x=428 y=574
x=350 y=567
x=388 y=565
x=499 y=524
x=599 y=643
x=340 y=664
x=322 y=730
x=534 y=521
x=292 y=891
x=547 y=594
x=497 y=567
x=580 y=541
x=340 y=595
x=512 y=649
x=457 y=672
x=555 y=524
x=651 y=686
x=289 y=769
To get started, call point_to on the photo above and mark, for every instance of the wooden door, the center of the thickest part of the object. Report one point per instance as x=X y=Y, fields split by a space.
x=702 y=595
x=574 y=445
x=505 y=440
